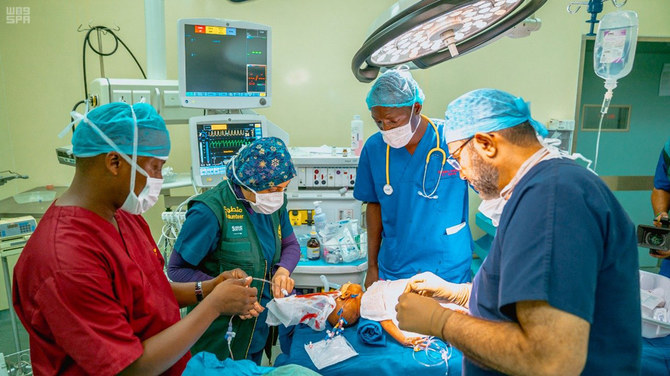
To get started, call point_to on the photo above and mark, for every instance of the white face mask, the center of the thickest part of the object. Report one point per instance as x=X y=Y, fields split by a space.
x=399 y=137
x=493 y=209
x=148 y=197
x=266 y=203
x=134 y=204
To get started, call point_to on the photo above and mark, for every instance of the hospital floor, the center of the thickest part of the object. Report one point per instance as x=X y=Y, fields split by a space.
x=7 y=346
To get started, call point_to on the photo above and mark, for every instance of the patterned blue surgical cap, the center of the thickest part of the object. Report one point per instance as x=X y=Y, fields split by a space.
x=262 y=164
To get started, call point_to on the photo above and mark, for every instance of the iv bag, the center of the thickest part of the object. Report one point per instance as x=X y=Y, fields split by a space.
x=614 y=50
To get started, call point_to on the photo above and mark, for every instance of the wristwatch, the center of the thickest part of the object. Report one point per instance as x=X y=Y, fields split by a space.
x=198 y=291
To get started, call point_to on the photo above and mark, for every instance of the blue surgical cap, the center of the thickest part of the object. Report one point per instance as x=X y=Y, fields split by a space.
x=263 y=164
x=394 y=88
x=486 y=110
x=115 y=120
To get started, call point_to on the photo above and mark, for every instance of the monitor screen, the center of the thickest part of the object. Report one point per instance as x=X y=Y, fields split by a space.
x=215 y=139
x=224 y=64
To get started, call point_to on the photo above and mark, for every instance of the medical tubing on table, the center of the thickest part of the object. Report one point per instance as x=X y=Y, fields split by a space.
x=433 y=346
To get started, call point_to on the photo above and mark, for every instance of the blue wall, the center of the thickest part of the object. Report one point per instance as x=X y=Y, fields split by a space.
x=634 y=152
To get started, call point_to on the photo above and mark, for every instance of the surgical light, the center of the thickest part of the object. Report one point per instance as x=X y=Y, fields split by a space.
x=424 y=33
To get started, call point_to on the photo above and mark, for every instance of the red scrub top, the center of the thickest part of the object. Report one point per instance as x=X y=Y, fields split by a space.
x=88 y=296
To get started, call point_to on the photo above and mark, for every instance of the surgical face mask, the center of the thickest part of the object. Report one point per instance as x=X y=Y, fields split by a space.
x=133 y=204
x=399 y=137
x=493 y=209
x=266 y=203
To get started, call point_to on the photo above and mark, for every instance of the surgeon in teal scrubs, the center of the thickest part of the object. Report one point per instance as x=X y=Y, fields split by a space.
x=417 y=206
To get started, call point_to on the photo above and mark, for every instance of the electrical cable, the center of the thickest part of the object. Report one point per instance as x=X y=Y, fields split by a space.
x=117 y=40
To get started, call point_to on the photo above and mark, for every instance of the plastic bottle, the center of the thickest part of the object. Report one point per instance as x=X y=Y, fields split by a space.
x=320 y=218
x=313 y=246
x=357 y=135
x=614 y=50
x=613 y=56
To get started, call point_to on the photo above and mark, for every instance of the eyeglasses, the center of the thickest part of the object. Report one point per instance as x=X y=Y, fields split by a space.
x=453 y=158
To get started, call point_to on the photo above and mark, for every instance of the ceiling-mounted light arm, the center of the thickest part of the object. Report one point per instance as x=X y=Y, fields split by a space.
x=411 y=17
x=373 y=54
x=480 y=39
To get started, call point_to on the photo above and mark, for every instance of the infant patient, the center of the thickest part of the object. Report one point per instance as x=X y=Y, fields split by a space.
x=378 y=304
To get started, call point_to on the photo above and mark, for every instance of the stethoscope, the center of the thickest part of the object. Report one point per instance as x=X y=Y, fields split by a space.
x=388 y=189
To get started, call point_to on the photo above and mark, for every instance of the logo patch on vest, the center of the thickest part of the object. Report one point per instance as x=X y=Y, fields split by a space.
x=236 y=230
x=233 y=212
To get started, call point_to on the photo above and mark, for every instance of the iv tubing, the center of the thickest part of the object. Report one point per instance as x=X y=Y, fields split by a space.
x=603 y=110
x=283 y=291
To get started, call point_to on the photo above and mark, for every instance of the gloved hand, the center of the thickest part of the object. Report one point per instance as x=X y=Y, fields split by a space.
x=420 y=314
x=282 y=281
x=428 y=284
x=234 y=297
x=209 y=285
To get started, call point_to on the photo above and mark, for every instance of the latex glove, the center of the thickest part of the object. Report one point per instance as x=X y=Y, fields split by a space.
x=208 y=286
x=234 y=297
x=430 y=285
x=421 y=314
x=254 y=312
x=282 y=281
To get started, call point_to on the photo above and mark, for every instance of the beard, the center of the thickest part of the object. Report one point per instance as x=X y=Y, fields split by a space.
x=485 y=179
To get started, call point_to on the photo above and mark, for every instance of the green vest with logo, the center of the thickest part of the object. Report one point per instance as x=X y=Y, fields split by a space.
x=238 y=247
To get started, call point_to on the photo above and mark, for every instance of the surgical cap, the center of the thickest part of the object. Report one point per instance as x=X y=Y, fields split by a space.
x=395 y=88
x=262 y=164
x=115 y=120
x=486 y=110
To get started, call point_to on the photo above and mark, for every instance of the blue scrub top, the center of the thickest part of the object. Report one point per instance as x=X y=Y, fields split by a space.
x=201 y=233
x=662 y=182
x=563 y=238
x=414 y=234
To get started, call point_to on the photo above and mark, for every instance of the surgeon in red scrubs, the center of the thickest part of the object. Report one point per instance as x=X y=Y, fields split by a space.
x=89 y=285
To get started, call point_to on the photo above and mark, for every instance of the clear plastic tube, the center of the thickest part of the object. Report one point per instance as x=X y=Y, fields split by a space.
x=283 y=291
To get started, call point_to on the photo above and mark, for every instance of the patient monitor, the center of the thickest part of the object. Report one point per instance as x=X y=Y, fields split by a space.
x=215 y=139
x=224 y=64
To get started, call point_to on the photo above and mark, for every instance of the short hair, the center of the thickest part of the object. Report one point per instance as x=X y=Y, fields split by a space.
x=521 y=135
